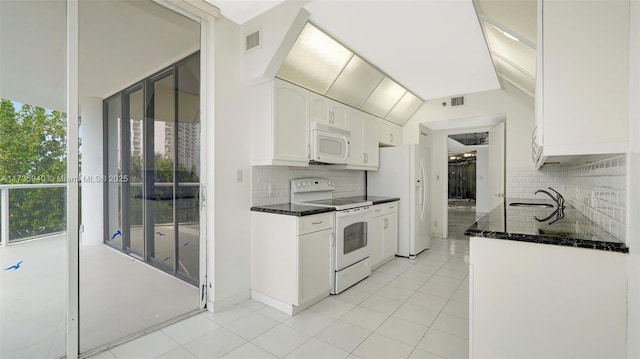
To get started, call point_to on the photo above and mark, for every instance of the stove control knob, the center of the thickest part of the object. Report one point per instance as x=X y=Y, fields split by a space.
x=304 y=184
x=298 y=184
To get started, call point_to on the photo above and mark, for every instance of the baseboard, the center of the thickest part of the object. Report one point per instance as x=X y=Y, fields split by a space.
x=222 y=304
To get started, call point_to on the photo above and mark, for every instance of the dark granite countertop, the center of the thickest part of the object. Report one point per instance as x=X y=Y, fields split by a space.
x=290 y=209
x=519 y=224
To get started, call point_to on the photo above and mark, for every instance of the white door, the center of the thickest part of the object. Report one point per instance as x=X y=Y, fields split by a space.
x=496 y=166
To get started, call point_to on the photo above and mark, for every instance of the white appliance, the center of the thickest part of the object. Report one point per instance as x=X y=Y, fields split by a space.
x=351 y=249
x=403 y=173
x=329 y=144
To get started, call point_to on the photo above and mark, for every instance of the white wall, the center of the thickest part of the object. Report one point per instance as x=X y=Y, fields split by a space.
x=280 y=27
x=519 y=120
x=92 y=159
x=229 y=260
x=482 y=180
x=633 y=193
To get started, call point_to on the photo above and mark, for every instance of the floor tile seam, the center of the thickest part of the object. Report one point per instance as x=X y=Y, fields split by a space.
x=418 y=348
x=422 y=336
x=442 y=331
x=323 y=328
x=236 y=319
x=222 y=355
x=374 y=332
x=289 y=352
x=354 y=349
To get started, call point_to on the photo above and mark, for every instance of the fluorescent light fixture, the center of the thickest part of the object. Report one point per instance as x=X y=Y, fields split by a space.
x=315 y=60
x=510 y=36
x=505 y=33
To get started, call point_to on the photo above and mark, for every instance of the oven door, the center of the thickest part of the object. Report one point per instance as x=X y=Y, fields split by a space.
x=352 y=242
x=329 y=147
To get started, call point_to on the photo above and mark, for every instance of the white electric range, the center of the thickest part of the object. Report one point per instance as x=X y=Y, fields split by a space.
x=352 y=218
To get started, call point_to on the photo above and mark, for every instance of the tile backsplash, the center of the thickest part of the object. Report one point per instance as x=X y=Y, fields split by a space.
x=597 y=190
x=348 y=182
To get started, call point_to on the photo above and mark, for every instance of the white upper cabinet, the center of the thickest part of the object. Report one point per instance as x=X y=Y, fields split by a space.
x=583 y=78
x=280 y=124
x=327 y=111
x=363 y=149
x=389 y=134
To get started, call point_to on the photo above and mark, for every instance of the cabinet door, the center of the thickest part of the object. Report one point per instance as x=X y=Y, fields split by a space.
x=327 y=111
x=291 y=113
x=391 y=235
x=384 y=132
x=578 y=94
x=314 y=263
x=356 y=154
x=370 y=141
x=319 y=109
x=395 y=135
x=339 y=114
x=376 y=239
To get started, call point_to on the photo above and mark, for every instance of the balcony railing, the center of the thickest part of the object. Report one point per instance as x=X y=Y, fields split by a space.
x=29 y=211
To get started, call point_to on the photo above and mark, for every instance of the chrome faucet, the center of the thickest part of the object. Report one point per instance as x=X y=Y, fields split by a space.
x=557 y=198
x=559 y=212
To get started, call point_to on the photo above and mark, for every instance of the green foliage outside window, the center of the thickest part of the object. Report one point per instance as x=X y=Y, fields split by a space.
x=32 y=151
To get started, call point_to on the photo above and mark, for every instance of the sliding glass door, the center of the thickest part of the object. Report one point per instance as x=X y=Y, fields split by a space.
x=153 y=202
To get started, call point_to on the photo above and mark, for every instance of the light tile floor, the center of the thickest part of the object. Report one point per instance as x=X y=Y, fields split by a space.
x=405 y=309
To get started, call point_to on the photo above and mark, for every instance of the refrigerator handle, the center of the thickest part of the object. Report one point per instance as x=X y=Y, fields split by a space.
x=424 y=190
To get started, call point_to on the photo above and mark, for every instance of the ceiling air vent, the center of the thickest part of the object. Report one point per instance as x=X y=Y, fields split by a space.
x=457 y=101
x=252 y=40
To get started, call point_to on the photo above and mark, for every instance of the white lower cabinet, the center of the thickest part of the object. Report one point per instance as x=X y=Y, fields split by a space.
x=383 y=234
x=546 y=301
x=291 y=259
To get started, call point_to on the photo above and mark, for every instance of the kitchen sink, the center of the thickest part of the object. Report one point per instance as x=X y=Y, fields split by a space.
x=528 y=204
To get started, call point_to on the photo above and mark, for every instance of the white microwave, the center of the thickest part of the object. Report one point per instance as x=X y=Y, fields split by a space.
x=329 y=144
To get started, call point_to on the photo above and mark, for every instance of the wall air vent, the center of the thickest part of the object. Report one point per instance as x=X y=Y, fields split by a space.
x=252 y=40
x=457 y=101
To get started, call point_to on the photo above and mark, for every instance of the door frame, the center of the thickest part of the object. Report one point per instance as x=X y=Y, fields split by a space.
x=203 y=13
x=440 y=164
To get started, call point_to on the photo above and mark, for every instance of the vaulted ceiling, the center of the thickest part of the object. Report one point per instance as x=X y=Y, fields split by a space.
x=433 y=48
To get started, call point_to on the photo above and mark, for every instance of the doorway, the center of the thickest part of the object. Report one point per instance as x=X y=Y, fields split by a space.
x=439 y=132
x=467 y=180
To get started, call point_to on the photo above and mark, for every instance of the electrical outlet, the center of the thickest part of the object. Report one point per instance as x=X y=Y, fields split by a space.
x=435 y=224
x=272 y=189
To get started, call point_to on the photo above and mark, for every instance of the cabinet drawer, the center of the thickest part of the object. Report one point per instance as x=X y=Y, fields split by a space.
x=390 y=207
x=308 y=224
x=378 y=210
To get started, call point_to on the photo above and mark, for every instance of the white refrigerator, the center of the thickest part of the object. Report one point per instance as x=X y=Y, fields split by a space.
x=403 y=173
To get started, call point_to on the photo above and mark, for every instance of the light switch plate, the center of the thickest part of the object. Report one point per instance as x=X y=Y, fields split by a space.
x=239 y=176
